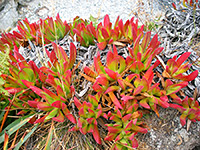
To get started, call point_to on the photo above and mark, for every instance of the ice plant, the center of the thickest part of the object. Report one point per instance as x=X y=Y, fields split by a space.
x=84 y=34
x=176 y=69
x=89 y=112
x=103 y=76
x=142 y=54
x=130 y=30
x=44 y=31
x=21 y=76
x=122 y=87
x=106 y=34
x=127 y=125
x=54 y=106
x=9 y=40
x=59 y=62
x=189 y=108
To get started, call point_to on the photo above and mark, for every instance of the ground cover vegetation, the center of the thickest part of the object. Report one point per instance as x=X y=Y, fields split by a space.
x=113 y=92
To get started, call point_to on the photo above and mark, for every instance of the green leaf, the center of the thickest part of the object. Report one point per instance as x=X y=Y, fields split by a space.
x=172 y=90
x=22 y=140
x=14 y=126
x=52 y=114
x=27 y=74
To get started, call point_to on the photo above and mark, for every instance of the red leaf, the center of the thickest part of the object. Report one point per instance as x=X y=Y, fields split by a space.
x=13 y=90
x=121 y=27
x=183 y=119
x=183 y=58
x=163 y=101
x=77 y=103
x=144 y=104
x=154 y=42
x=49 y=96
x=139 y=129
x=139 y=56
x=190 y=77
x=42 y=119
x=97 y=87
x=42 y=77
x=105 y=34
x=126 y=98
x=114 y=129
x=60 y=91
x=37 y=90
x=178 y=107
x=56 y=104
x=72 y=58
x=44 y=106
x=71 y=118
x=112 y=89
x=105 y=116
x=97 y=63
x=115 y=50
x=28 y=83
x=106 y=22
x=134 y=143
x=115 y=100
x=145 y=41
x=90 y=72
x=138 y=90
x=136 y=46
x=109 y=59
x=102 y=45
x=102 y=80
x=111 y=73
x=68 y=114
x=33 y=104
x=174 y=6
x=126 y=117
x=110 y=136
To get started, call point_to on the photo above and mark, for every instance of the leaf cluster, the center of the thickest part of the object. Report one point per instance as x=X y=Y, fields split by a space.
x=121 y=88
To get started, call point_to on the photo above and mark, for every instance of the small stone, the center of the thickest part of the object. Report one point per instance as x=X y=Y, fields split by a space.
x=43 y=11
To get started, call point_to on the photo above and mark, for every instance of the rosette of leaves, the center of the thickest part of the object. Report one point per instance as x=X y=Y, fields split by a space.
x=21 y=76
x=45 y=31
x=127 y=125
x=85 y=32
x=132 y=79
x=142 y=54
x=128 y=32
x=106 y=34
x=9 y=40
x=59 y=78
x=89 y=112
x=176 y=69
x=189 y=108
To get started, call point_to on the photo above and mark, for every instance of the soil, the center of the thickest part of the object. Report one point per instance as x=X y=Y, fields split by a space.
x=166 y=132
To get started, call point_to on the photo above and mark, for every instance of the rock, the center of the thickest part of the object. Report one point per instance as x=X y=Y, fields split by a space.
x=166 y=133
x=2 y=4
x=8 y=14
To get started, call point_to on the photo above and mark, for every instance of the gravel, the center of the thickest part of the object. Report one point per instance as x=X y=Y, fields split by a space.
x=68 y=9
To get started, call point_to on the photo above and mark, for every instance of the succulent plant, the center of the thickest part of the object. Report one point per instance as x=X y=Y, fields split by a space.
x=122 y=87
x=45 y=31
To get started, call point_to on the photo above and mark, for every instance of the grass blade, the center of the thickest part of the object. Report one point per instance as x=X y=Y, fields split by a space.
x=22 y=140
x=49 y=138
x=14 y=126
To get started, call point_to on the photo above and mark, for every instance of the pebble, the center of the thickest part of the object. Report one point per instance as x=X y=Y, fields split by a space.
x=34 y=9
